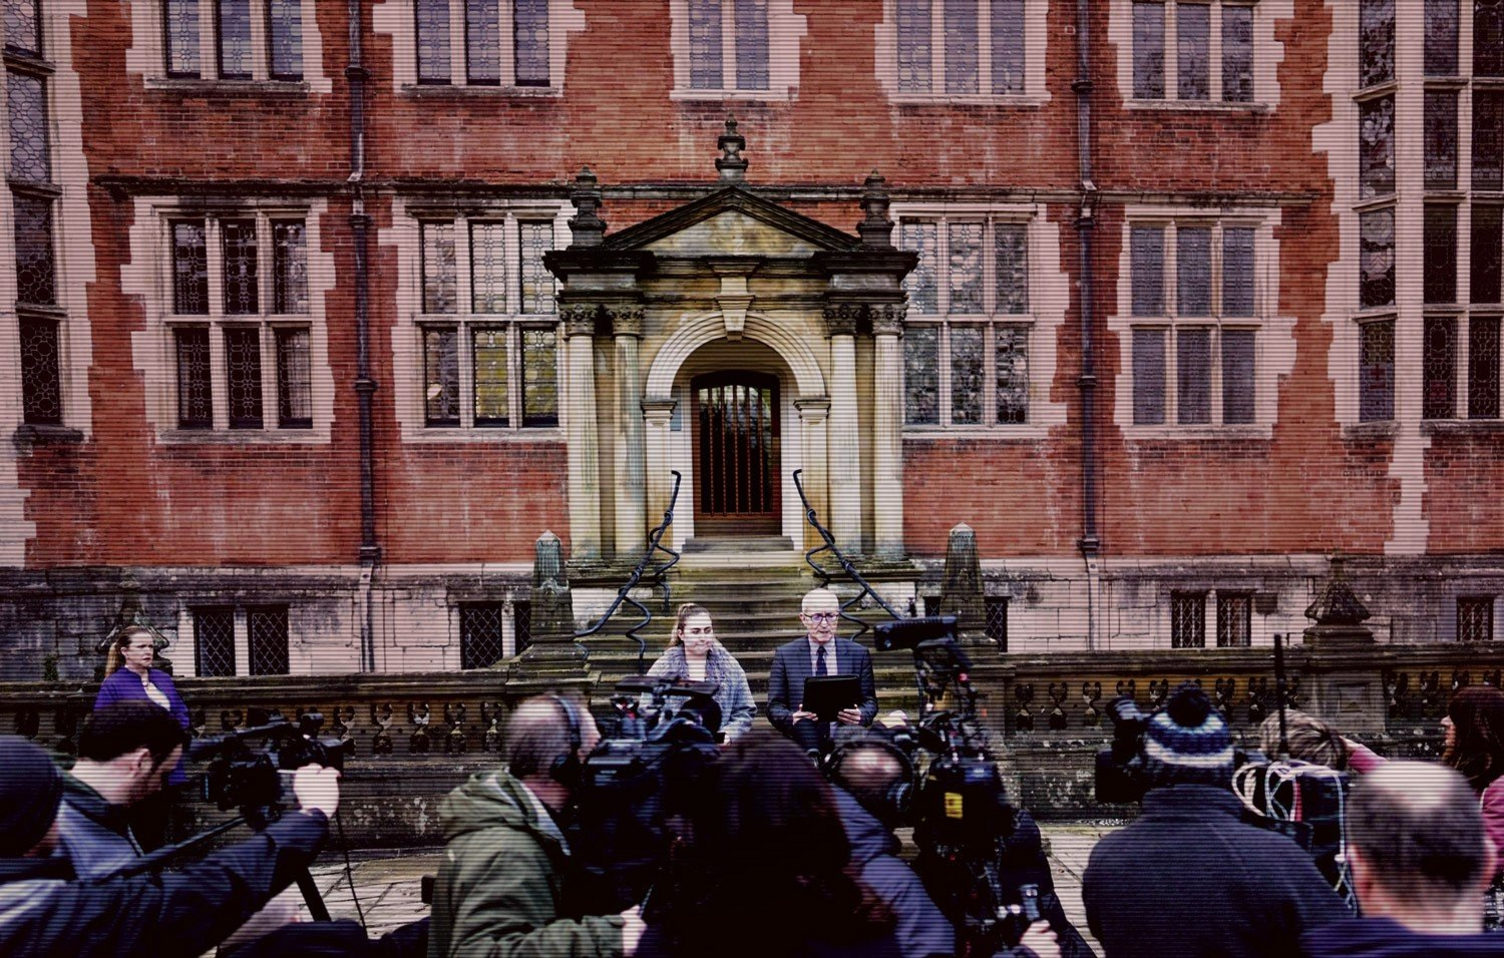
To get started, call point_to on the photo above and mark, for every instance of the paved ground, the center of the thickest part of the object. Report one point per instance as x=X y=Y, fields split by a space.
x=387 y=883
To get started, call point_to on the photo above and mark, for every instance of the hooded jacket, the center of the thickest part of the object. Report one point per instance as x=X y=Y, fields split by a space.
x=1387 y=938
x=920 y=928
x=500 y=888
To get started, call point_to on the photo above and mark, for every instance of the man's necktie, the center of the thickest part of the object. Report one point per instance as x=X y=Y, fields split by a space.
x=820 y=661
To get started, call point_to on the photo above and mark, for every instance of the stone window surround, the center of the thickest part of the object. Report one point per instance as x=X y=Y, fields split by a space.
x=147 y=55
x=1049 y=297
x=1212 y=598
x=149 y=278
x=1274 y=342
x=785 y=30
x=407 y=336
x=396 y=20
x=1268 y=52
x=1036 y=43
x=185 y=648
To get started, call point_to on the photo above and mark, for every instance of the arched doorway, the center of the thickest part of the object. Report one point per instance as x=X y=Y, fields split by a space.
x=736 y=453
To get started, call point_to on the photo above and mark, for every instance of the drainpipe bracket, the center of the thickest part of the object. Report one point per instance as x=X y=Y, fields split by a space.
x=357 y=72
x=365 y=385
x=1086 y=381
x=1089 y=545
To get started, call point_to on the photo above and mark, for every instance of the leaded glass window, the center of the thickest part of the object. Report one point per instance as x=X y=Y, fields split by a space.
x=41 y=382
x=1148 y=268
x=1441 y=140
x=751 y=44
x=489 y=359
x=1237 y=271
x=1441 y=38
x=243 y=376
x=1440 y=253
x=294 y=379
x=965 y=267
x=1234 y=620
x=1475 y=618
x=1375 y=42
x=266 y=630
x=234 y=38
x=285 y=38
x=1187 y=620
x=1376 y=372
x=1237 y=376
x=289 y=267
x=705 y=44
x=1488 y=140
x=180 y=24
x=440 y=270
x=996 y=608
x=29 y=153
x=214 y=642
x=433 y=40
x=540 y=371
x=22 y=31
x=1193 y=367
x=190 y=268
x=1007 y=46
x=1439 y=368
x=967 y=374
x=483 y=42
x=1487 y=253
x=530 y=40
x=1488 y=38
x=195 y=405
x=239 y=254
x=441 y=376
x=1012 y=268
x=922 y=284
x=1012 y=374
x=1376 y=147
x=921 y=375
x=1149 y=51
x=488 y=274
x=1194 y=269
x=1376 y=258
x=1483 y=368
x=481 y=638
x=914 y=66
x=537 y=281
x=1148 y=377
x=36 y=275
x=961 y=47
x=1193 y=26
x=1237 y=54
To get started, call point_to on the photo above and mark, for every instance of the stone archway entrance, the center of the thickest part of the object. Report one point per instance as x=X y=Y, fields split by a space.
x=736 y=453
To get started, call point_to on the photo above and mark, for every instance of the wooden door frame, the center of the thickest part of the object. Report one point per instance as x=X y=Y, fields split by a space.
x=772 y=524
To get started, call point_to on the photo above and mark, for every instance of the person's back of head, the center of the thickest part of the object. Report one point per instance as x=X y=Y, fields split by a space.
x=1476 y=747
x=874 y=772
x=546 y=736
x=1188 y=742
x=31 y=789
x=1310 y=740
x=125 y=727
x=1417 y=844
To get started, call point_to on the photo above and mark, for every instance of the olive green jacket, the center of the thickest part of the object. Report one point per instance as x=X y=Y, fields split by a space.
x=500 y=882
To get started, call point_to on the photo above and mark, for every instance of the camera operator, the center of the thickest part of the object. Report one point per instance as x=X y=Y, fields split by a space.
x=501 y=887
x=45 y=910
x=1189 y=877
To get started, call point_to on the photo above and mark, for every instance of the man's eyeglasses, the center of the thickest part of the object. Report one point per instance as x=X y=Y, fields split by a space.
x=821 y=616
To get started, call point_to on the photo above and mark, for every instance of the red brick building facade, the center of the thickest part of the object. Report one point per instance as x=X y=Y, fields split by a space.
x=307 y=336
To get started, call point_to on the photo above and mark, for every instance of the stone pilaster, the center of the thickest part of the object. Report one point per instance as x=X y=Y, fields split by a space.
x=581 y=432
x=887 y=430
x=813 y=413
x=845 y=452
x=631 y=508
x=658 y=411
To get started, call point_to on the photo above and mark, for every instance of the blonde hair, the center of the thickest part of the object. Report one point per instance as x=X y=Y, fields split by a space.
x=114 y=659
x=1311 y=740
x=685 y=611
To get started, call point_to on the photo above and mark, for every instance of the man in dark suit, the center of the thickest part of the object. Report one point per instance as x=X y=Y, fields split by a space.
x=820 y=652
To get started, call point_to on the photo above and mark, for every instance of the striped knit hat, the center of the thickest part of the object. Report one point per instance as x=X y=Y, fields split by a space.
x=1188 y=741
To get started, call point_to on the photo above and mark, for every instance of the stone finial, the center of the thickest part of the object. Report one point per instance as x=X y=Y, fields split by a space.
x=1337 y=604
x=730 y=164
x=586 y=227
x=554 y=650
x=876 y=228
x=961 y=593
x=132 y=615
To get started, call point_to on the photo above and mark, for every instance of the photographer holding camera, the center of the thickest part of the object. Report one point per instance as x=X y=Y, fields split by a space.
x=46 y=910
x=1189 y=877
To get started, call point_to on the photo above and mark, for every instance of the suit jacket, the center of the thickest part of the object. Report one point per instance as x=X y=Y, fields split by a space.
x=791 y=666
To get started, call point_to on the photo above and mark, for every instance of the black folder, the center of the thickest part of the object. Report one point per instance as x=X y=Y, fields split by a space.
x=826 y=695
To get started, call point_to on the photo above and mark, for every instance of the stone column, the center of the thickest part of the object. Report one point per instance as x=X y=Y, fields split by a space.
x=581 y=433
x=659 y=413
x=631 y=510
x=845 y=513
x=813 y=411
x=887 y=430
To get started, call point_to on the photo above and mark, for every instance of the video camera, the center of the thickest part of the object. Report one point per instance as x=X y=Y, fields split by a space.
x=252 y=778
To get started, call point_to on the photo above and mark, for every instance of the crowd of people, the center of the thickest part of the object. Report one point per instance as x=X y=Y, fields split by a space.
x=792 y=843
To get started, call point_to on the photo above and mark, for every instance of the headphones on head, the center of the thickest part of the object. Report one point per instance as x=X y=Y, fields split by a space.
x=565 y=768
x=899 y=795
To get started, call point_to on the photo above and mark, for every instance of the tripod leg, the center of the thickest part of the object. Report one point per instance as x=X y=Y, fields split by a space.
x=316 y=907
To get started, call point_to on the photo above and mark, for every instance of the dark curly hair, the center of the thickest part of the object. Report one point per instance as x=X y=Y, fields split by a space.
x=1477 y=713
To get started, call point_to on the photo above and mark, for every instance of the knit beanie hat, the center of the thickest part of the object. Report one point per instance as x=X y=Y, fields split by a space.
x=1188 y=741
x=31 y=788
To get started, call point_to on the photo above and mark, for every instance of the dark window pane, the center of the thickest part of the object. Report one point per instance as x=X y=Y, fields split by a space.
x=1376 y=259
x=243 y=376
x=433 y=40
x=1376 y=147
x=530 y=37
x=294 y=379
x=961 y=47
x=20 y=20
x=190 y=268
x=483 y=42
x=41 y=387
x=284 y=29
x=214 y=642
x=1148 y=377
x=996 y=607
x=1439 y=368
x=441 y=377
x=238 y=237
x=537 y=281
x=29 y=155
x=1149 y=51
x=481 y=634
x=1193 y=264
x=488 y=276
x=965 y=267
x=1148 y=259
x=1193 y=366
x=522 y=625
x=180 y=24
x=1234 y=620
x=966 y=374
x=267 y=630
x=36 y=277
x=1008 y=46
x=1488 y=38
x=234 y=37
x=540 y=378
x=1237 y=54
x=1483 y=368
x=1440 y=254
x=1237 y=271
x=1012 y=374
x=195 y=407
x=914 y=46
x=1487 y=255
x=921 y=375
x=440 y=271
x=489 y=357
x=1488 y=140
x=1193 y=37
x=751 y=44
x=1376 y=372
x=289 y=267
x=1237 y=376
x=1375 y=42
x=1012 y=268
x=923 y=282
x=705 y=63
x=1441 y=139
x=1188 y=620
x=1441 y=37
x=1475 y=618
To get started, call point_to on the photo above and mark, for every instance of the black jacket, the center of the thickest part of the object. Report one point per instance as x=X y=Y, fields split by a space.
x=1190 y=879
x=1386 y=938
x=182 y=913
x=920 y=928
